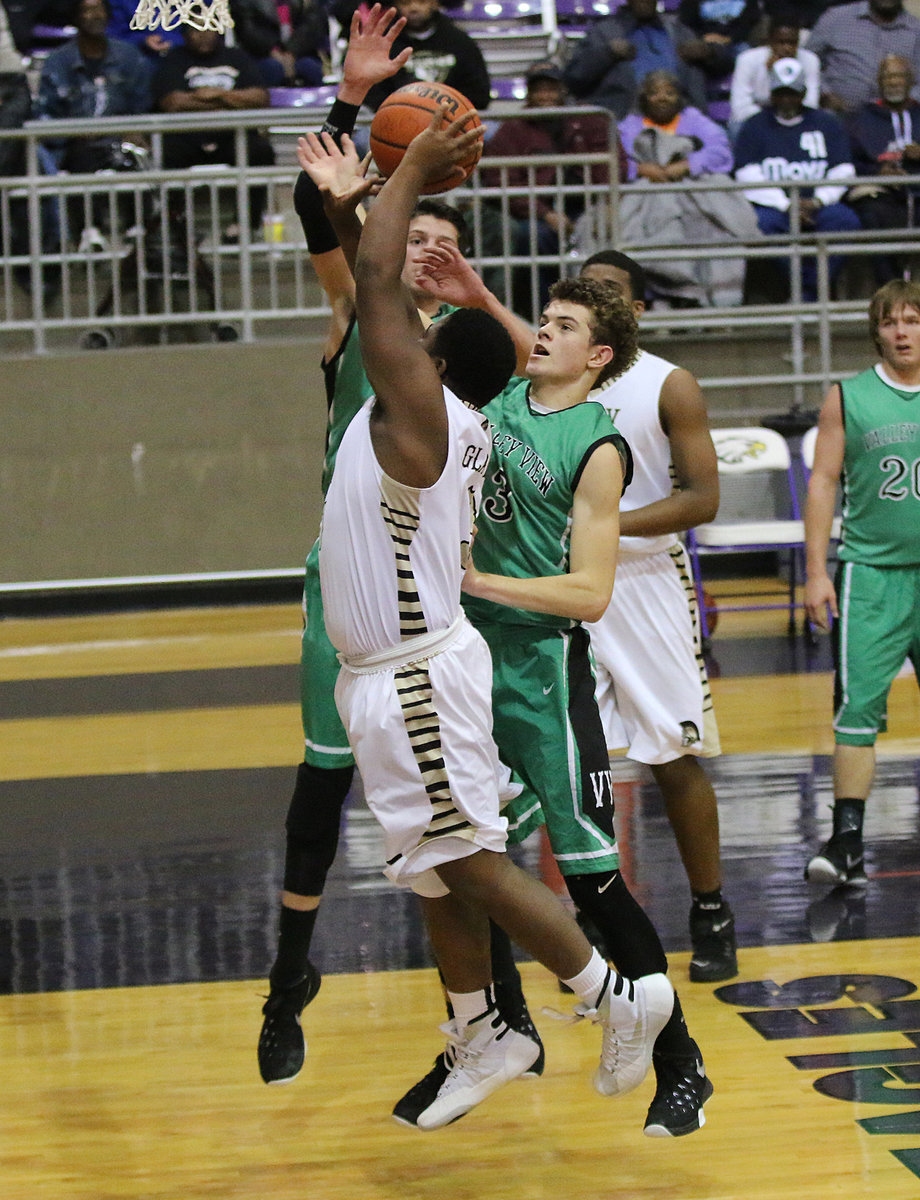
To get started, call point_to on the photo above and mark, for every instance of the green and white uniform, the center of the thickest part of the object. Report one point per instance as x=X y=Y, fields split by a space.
x=878 y=579
x=546 y=721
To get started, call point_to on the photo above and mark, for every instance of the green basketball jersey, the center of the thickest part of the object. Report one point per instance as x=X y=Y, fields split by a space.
x=347 y=387
x=881 y=472
x=524 y=523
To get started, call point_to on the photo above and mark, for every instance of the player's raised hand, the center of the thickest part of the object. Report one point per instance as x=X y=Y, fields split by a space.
x=338 y=172
x=443 y=146
x=370 y=40
x=447 y=275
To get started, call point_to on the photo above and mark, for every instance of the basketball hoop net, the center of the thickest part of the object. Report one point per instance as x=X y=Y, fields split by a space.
x=170 y=14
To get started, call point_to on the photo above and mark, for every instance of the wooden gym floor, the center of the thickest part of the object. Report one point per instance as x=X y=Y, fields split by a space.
x=146 y=761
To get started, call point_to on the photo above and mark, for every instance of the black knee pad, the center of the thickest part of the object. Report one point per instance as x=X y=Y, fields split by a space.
x=313 y=821
x=630 y=938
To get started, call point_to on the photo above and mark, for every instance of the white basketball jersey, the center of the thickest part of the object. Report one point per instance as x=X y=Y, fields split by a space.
x=391 y=556
x=632 y=402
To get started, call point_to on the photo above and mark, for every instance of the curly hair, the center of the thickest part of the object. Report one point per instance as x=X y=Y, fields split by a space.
x=613 y=322
x=897 y=293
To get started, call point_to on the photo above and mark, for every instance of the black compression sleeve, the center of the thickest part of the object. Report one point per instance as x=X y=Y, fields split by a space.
x=342 y=119
x=309 y=205
x=307 y=199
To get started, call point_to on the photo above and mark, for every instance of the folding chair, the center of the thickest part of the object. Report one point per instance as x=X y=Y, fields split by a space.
x=759 y=512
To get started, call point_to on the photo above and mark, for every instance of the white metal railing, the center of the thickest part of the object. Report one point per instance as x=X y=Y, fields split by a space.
x=166 y=264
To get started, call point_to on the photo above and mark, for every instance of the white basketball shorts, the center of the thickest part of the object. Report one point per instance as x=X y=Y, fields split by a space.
x=422 y=739
x=652 y=686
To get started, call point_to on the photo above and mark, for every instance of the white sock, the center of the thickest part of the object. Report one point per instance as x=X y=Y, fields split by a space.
x=589 y=983
x=469 y=1005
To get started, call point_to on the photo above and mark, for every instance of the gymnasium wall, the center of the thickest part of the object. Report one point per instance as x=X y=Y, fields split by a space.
x=160 y=460
x=206 y=457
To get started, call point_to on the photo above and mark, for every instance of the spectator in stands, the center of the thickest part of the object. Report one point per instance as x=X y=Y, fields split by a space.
x=93 y=76
x=520 y=137
x=203 y=75
x=665 y=142
x=723 y=28
x=750 y=89
x=851 y=42
x=153 y=43
x=15 y=110
x=289 y=41
x=441 y=52
x=884 y=136
x=787 y=142
x=617 y=52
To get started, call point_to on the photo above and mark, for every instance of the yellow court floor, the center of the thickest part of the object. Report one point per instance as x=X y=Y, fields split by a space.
x=152 y=1093
x=145 y=763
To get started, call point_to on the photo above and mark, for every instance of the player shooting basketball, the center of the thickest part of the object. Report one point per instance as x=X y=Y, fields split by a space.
x=414 y=688
x=325 y=775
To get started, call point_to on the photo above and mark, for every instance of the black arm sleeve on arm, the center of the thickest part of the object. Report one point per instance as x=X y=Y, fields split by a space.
x=308 y=201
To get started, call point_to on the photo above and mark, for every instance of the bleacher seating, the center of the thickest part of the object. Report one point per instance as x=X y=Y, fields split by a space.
x=574 y=16
x=303 y=97
x=511 y=33
x=509 y=87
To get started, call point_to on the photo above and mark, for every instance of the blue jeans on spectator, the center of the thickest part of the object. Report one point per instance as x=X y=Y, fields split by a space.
x=831 y=218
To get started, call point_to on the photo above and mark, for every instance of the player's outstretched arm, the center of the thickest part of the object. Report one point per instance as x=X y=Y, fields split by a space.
x=411 y=436
x=820 y=596
x=343 y=182
x=367 y=61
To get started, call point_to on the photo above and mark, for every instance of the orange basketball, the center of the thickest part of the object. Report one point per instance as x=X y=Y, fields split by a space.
x=403 y=116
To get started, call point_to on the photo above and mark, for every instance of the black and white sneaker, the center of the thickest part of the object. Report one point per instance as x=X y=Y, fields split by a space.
x=683 y=1088
x=487 y=1055
x=715 y=954
x=422 y=1095
x=513 y=1007
x=281 y=1043
x=839 y=861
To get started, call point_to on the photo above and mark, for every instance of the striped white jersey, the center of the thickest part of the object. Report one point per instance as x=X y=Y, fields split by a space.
x=391 y=556
x=632 y=402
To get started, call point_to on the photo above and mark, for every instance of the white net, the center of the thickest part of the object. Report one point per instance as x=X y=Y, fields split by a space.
x=170 y=14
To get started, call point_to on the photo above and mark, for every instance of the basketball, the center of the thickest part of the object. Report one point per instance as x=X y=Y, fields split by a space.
x=405 y=114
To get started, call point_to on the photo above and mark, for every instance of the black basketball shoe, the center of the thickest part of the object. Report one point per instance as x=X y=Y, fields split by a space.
x=281 y=1042
x=712 y=935
x=839 y=861
x=683 y=1088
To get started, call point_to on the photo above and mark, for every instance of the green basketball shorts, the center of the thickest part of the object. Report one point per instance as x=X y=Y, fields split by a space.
x=878 y=628
x=548 y=730
x=325 y=741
